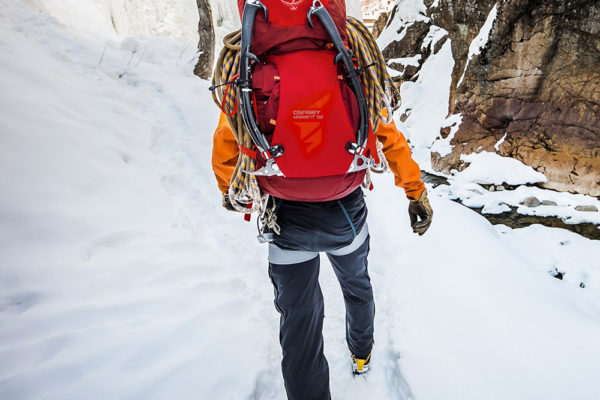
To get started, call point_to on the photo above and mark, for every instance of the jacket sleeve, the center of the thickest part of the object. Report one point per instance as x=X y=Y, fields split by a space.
x=224 y=154
x=397 y=153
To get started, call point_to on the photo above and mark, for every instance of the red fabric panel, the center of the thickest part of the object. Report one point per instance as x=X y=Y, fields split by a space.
x=350 y=101
x=248 y=152
x=311 y=189
x=372 y=145
x=312 y=122
x=266 y=89
x=286 y=12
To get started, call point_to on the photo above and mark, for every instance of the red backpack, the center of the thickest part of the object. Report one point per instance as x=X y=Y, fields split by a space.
x=302 y=100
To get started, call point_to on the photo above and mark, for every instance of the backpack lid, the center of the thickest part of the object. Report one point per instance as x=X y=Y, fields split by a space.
x=287 y=12
x=287 y=21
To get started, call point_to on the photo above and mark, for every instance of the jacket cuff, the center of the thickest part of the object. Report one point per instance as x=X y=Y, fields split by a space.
x=414 y=190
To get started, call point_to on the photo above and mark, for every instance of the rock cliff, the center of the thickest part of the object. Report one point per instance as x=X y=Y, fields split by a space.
x=526 y=81
x=206 y=43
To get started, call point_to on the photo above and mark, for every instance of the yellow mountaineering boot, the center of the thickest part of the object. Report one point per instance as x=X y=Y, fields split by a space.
x=359 y=365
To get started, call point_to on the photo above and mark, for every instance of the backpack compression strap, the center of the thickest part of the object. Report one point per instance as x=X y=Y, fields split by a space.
x=251 y=8
x=359 y=148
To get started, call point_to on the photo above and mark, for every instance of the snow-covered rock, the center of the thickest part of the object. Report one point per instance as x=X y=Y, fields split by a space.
x=525 y=84
x=490 y=168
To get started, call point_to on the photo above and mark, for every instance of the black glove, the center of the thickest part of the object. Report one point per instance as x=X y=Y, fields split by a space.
x=420 y=209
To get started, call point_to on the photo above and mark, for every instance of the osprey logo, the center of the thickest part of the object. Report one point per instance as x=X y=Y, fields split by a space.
x=310 y=122
x=292 y=4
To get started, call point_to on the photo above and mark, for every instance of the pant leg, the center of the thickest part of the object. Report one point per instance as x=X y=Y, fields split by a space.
x=299 y=300
x=352 y=273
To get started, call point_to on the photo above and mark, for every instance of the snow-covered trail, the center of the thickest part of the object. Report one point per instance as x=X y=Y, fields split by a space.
x=119 y=277
x=122 y=277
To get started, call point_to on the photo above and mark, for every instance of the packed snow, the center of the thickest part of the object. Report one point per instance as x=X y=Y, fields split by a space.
x=122 y=277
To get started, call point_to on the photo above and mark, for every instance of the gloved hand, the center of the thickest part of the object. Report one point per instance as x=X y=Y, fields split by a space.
x=227 y=203
x=420 y=209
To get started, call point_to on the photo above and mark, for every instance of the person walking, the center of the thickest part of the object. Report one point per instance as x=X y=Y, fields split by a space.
x=309 y=211
x=338 y=228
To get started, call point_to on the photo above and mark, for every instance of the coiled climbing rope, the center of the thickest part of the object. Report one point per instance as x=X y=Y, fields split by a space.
x=381 y=92
x=244 y=193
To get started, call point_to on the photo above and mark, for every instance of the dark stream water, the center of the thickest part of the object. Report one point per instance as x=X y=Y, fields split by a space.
x=515 y=220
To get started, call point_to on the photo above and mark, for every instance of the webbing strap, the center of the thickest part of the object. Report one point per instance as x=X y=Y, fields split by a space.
x=248 y=152
x=372 y=145
x=247 y=215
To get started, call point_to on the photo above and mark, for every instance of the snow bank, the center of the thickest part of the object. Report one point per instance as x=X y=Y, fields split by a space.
x=111 y=225
x=475 y=196
x=425 y=102
x=556 y=251
x=492 y=168
x=487 y=168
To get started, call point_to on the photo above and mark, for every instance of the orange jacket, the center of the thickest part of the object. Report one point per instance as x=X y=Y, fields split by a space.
x=396 y=150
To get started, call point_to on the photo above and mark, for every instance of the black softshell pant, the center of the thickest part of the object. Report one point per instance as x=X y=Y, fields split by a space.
x=337 y=228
